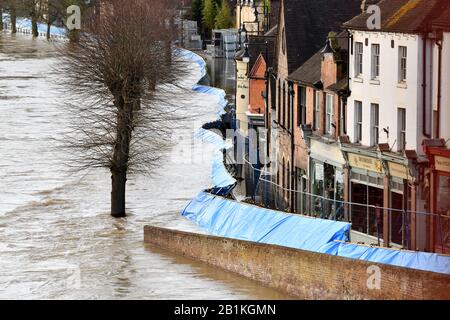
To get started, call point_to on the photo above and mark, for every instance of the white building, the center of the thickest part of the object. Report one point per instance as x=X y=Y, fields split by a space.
x=392 y=110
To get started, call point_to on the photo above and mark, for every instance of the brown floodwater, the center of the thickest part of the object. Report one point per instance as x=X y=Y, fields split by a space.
x=57 y=240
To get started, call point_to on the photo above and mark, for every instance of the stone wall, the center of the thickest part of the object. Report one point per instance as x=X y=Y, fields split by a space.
x=303 y=274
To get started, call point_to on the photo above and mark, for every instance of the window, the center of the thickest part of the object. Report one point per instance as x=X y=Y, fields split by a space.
x=401 y=131
x=316 y=109
x=301 y=116
x=402 y=56
x=329 y=115
x=374 y=123
x=283 y=120
x=279 y=103
x=288 y=111
x=291 y=95
x=358 y=58
x=375 y=61
x=358 y=121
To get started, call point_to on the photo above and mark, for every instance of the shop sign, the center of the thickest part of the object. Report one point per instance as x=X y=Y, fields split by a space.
x=326 y=151
x=442 y=163
x=399 y=171
x=365 y=163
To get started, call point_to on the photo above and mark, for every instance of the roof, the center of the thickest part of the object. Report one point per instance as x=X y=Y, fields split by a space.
x=257 y=46
x=404 y=16
x=310 y=72
x=443 y=21
x=340 y=85
x=308 y=23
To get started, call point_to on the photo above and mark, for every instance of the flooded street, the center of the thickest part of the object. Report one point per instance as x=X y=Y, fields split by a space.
x=57 y=239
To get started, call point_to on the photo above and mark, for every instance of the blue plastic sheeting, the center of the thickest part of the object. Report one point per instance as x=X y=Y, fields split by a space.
x=214 y=91
x=408 y=259
x=191 y=56
x=219 y=174
x=232 y=219
x=221 y=178
x=24 y=23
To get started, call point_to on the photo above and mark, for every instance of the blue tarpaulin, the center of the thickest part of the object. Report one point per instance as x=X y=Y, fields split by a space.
x=24 y=23
x=408 y=259
x=226 y=218
x=221 y=178
x=219 y=174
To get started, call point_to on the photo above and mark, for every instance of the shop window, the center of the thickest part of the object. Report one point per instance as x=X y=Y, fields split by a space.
x=317 y=188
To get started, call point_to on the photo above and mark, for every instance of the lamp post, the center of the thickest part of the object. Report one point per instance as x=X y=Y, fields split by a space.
x=256 y=13
x=242 y=32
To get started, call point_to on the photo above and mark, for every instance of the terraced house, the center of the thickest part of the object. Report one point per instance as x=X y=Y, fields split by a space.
x=392 y=111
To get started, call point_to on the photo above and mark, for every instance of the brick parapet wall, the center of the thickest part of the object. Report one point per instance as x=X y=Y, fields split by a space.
x=303 y=274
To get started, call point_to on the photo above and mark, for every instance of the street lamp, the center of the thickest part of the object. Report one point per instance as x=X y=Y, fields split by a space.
x=242 y=32
x=246 y=56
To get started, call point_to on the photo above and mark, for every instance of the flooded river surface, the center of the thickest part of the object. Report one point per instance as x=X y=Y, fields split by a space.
x=57 y=240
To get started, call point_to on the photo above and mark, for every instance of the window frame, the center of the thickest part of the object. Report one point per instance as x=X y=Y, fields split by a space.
x=316 y=124
x=402 y=64
x=359 y=56
x=375 y=50
x=358 y=121
x=374 y=124
x=329 y=113
x=401 y=129
x=301 y=108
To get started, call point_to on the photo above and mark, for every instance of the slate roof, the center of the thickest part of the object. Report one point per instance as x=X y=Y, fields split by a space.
x=310 y=72
x=308 y=23
x=443 y=21
x=404 y=16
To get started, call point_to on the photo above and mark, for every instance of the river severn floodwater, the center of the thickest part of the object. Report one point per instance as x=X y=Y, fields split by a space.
x=57 y=240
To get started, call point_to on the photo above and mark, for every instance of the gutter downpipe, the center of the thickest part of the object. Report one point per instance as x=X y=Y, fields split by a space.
x=424 y=85
x=439 y=85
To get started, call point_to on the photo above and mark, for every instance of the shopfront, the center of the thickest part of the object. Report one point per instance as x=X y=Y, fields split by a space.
x=400 y=199
x=327 y=180
x=439 y=199
x=367 y=191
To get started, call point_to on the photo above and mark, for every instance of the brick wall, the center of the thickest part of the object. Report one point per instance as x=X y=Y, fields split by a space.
x=303 y=274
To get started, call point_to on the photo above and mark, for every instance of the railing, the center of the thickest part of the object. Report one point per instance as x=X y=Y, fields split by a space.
x=397 y=227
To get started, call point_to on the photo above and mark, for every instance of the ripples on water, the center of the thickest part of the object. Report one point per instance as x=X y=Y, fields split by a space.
x=57 y=239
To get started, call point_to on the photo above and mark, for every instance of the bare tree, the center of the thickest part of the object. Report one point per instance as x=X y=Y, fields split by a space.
x=121 y=74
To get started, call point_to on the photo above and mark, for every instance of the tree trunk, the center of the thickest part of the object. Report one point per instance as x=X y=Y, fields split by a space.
x=13 y=20
x=34 y=27
x=1 y=19
x=119 y=180
x=121 y=156
x=49 y=25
